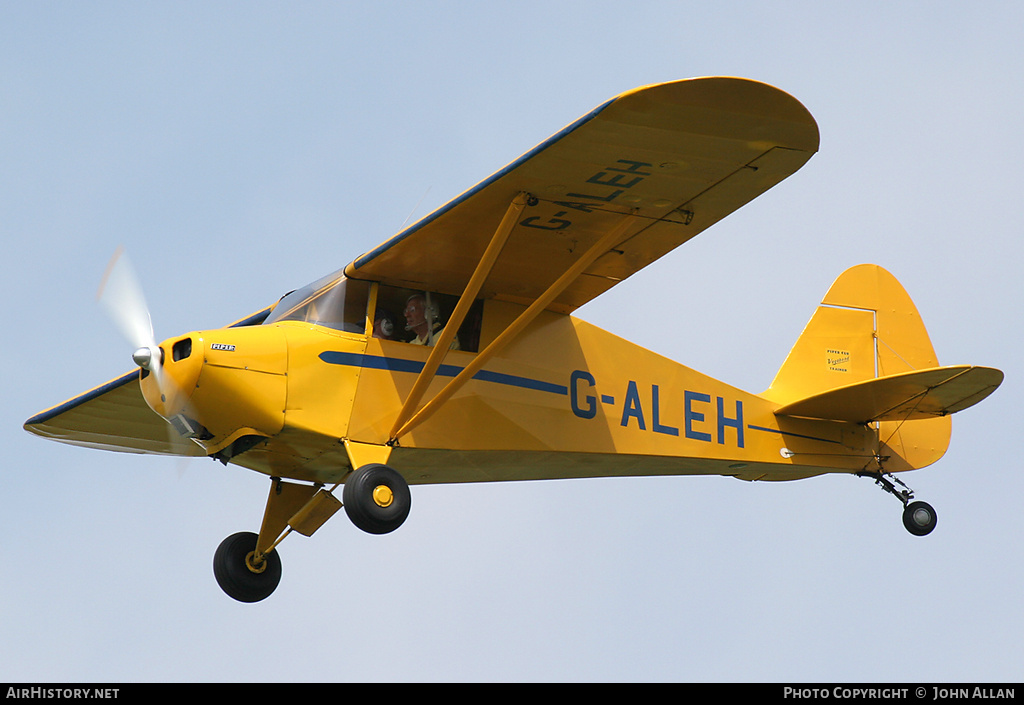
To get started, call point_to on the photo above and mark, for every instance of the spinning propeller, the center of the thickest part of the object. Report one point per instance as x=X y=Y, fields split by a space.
x=121 y=295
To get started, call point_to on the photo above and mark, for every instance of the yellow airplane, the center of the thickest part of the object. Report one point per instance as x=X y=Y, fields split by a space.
x=449 y=353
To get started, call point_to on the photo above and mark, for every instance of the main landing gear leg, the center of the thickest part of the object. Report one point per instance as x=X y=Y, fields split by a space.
x=919 y=518
x=376 y=499
x=247 y=565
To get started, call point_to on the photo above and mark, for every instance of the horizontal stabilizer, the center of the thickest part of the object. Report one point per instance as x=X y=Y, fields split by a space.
x=921 y=394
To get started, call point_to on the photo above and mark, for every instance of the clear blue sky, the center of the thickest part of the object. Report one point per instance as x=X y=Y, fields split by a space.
x=241 y=149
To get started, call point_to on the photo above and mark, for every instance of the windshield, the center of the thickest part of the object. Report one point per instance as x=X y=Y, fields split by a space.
x=333 y=301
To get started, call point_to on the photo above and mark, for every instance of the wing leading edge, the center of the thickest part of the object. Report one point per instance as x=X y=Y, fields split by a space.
x=678 y=156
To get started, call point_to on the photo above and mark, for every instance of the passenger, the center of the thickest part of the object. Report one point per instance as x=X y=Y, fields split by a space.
x=421 y=319
x=383 y=325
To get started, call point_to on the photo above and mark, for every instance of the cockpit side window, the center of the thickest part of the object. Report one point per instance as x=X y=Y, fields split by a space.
x=333 y=302
x=418 y=317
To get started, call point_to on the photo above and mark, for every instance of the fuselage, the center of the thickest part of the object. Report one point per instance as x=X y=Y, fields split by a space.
x=565 y=399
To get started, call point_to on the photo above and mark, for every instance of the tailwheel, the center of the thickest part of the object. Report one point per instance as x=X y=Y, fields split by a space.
x=376 y=498
x=240 y=574
x=919 y=518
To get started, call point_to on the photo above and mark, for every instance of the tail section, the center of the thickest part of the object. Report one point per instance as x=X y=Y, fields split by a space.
x=863 y=353
x=865 y=327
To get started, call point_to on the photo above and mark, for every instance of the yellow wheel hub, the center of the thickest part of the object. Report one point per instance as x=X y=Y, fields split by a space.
x=383 y=496
x=252 y=565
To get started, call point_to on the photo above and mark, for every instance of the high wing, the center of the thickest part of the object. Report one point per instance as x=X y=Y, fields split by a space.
x=115 y=416
x=674 y=157
x=652 y=167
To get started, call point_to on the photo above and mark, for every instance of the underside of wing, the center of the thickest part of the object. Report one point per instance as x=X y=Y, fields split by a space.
x=113 y=416
x=673 y=158
x=921 y=394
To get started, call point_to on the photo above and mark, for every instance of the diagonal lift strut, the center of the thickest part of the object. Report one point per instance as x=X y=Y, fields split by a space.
x=441 y=345
x=402 y=426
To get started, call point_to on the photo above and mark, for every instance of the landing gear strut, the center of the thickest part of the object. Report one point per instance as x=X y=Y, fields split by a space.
x=919 y=518
x=247 y=565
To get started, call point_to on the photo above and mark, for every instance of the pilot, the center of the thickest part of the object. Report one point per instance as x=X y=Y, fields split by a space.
x=421 y=318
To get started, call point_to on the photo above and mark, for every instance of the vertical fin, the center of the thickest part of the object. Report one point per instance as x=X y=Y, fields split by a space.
x=866 y=326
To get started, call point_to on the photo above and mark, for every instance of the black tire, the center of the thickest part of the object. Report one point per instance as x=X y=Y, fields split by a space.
x=233 y=574
x=368 y=513
x=919 y=518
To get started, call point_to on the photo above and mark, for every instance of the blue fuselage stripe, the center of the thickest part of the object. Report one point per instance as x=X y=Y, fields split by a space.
x=397 y=364
x=789 y=433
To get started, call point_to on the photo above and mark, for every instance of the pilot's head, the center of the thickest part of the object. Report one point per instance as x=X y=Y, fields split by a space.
x=415 y=312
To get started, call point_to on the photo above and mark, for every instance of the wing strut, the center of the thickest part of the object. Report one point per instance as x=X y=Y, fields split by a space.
x=476 y=281
x=612 y=237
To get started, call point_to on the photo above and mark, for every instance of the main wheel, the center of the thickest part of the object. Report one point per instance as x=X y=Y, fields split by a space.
x=236 y=574
x=376 y=498
x=919 y=518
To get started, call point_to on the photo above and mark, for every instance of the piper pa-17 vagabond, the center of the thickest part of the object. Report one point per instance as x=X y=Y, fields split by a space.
x=449 y=353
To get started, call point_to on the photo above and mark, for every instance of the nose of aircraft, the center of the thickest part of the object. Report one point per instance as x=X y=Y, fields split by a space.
x=169 y=375
x=215 y=386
